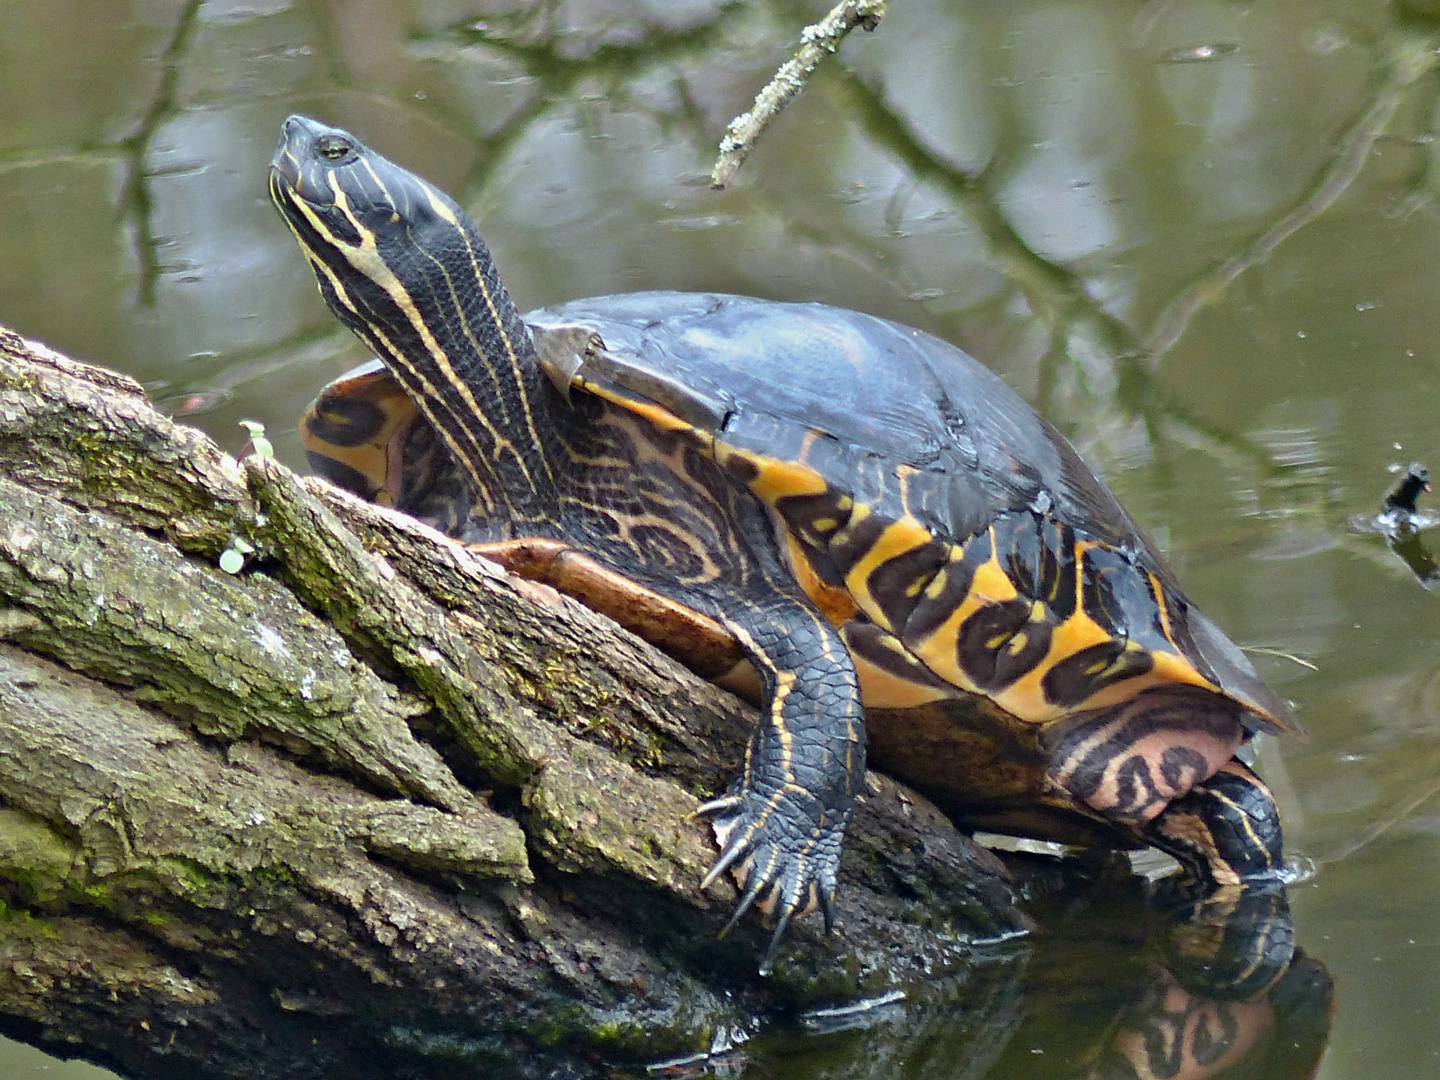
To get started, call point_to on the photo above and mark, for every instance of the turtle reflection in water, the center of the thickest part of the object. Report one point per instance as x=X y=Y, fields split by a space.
x=1098 y=1007
x=1106 y=995
x=806 y=503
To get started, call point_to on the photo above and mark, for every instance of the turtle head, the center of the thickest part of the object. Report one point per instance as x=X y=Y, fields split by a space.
x=401 y=265
x=395 y=258
x=338 y=194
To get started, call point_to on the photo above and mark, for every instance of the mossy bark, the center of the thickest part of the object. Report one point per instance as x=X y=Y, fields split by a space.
x=373 y=803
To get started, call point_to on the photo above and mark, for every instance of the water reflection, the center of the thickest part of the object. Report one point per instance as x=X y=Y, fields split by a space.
x=1106 y=992
x=1411 y=549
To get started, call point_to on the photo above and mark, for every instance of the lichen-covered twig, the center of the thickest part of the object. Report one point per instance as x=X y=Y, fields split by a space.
x=817 y=42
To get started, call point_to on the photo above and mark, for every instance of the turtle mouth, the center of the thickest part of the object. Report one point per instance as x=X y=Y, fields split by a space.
x=295 y=137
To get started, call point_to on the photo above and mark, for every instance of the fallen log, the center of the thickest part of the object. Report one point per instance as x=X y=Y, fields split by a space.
x=371 y=805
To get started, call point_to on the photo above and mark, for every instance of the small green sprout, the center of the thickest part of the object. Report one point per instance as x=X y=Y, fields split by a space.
x=260 y=446
x=232 y=559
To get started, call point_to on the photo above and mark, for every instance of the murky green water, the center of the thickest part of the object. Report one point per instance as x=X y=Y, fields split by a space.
x=1245 y=191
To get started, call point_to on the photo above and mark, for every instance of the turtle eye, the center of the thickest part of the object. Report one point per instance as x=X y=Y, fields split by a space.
x=332 y=147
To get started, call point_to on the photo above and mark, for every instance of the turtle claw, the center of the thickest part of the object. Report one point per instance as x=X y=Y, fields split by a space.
x=778 y=907
x=767 y=964
x=827 y=909
x=783 y=868
x=723 y=805
x=731 y=854
x=727 y=858
x=746 y=902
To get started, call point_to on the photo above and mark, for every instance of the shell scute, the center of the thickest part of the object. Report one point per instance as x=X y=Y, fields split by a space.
x=352 y=430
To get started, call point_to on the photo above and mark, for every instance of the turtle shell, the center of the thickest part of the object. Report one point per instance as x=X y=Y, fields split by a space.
x=985 y=580
x=895 y=460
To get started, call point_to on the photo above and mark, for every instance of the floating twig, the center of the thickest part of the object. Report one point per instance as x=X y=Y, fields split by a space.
x=1262 y=650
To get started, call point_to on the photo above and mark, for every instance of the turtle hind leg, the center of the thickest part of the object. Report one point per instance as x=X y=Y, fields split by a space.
x=1233 y=942
x=1225 y=830
x=1162 y=765
x=1233 y=934
x=1135 y=760
x=782 y=825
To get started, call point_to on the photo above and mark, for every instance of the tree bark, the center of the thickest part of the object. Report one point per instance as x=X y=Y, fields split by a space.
x=372 y=806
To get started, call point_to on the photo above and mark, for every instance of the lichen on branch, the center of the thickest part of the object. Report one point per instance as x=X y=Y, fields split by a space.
x=816 y=43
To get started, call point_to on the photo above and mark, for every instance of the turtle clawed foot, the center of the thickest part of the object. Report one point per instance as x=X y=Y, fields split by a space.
x=782 y=871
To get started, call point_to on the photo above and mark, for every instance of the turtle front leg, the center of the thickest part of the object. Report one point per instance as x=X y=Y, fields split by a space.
x=782 y=824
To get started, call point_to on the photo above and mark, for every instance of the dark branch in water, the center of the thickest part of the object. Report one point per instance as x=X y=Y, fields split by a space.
x=1404 y=494
x=1410 y=60
x=818 y=41
x=136 y=148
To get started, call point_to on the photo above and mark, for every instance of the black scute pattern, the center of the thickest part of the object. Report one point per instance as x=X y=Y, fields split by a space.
x=340 y=474
x=344 y=420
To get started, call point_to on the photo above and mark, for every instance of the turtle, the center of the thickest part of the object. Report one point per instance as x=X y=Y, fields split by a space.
x=848 y=519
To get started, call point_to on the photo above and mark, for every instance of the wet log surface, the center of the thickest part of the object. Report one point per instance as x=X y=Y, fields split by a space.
x=372 y=806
